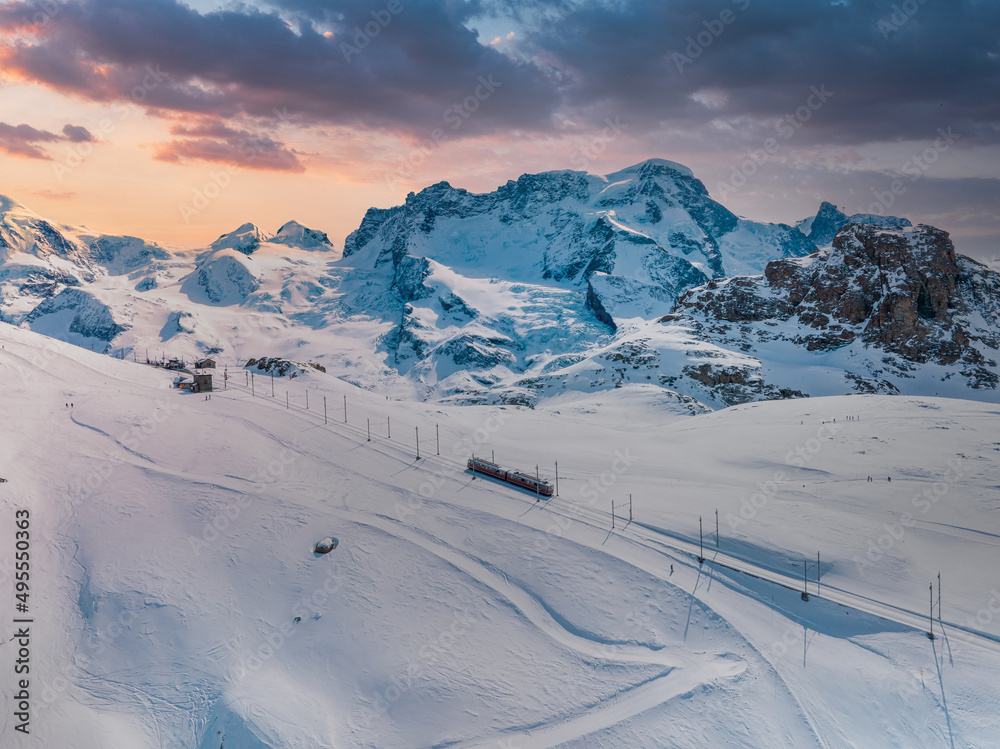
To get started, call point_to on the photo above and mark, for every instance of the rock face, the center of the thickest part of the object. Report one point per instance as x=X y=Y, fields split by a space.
x=902 y=290
x=76 y=312
x=823 y=227
x=652 y=224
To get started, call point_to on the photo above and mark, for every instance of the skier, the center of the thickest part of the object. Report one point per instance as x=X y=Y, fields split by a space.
x=890 y=479
x=671 y=569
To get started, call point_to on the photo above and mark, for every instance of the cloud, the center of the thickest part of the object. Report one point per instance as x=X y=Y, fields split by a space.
x=23 y=140
x=77 y=134
x=341 y=63
x=894 y=75
x=729 y=70
x=214 y=141
x=56 y=194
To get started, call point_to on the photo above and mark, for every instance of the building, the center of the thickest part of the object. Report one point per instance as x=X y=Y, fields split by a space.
x=202 y=383
x=205 y=364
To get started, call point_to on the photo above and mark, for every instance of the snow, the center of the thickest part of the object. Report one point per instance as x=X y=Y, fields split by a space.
x=172 y=552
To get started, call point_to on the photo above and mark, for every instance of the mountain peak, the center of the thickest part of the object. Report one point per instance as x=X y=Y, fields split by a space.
x=829 y=219
x=245 y=239
x=9 y=205
x=649 y=167
x=294 y=233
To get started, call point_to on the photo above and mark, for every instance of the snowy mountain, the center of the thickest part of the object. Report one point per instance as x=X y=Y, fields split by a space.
x=553 y=284
x=177 y=599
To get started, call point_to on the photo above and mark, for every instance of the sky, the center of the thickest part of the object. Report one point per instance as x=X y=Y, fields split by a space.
x=179 y=122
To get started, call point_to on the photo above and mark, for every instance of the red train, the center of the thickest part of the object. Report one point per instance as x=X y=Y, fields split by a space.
x=539 y=486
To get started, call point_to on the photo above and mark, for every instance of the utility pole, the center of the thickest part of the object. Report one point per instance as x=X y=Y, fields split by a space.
x=805 y=580
x=369 y=430
x=307 y=400
x=612 y=514
x=388 y=427
x=701 y=543
x=939 y=604
x=437 y=436
x=818 y=584
x=252 y=391
x=557 y=478
x=324 y=409
x=630 y=508
x=473 y=464
x=418 y=442
x=345 y=409
x=716 y=527
x=538 y=486
x=272 y=384
x=286 y=400
x=930 y=635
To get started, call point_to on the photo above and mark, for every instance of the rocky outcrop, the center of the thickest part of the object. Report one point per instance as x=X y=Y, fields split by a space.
x=89 y=317
x=903 y=290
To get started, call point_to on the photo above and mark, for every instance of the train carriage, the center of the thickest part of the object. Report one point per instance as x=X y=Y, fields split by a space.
x=478 y=465
x=523 y=480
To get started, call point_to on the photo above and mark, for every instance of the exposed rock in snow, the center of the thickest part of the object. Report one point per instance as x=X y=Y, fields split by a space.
x=823 y=227
x=903 y=291
x=76 y=311
x=273 y=365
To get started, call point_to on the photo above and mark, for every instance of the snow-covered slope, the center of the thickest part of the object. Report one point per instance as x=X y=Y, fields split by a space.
x=177 y=600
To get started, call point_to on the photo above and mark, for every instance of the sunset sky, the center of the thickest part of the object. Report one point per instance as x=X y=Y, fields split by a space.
x=178 y=122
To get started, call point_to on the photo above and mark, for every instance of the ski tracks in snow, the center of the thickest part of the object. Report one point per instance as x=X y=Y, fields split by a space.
x=684 y=671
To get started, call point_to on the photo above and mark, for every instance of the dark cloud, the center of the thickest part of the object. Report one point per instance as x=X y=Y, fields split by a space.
x=893 y=75
x=77 y=134
x=896 y=70
x=23 y=140
x=375 y=68
x=212 y=140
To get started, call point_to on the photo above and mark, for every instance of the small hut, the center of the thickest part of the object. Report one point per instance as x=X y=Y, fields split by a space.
x=202 y=383
x=205 y=364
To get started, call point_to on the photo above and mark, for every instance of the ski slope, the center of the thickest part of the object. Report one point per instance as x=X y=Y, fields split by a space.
x=177 y=600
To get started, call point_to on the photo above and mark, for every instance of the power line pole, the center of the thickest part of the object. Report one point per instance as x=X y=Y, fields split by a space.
x=538 y=486
x=418 y=442
x=557 y=478
x=818 y=584
x=324 y=409
x=630 y=508
x=253 y=393
x=805 y=580
x=286 y=400
x=939 y=604
x=272 y=384
x=307 y=400
x=612 y=514
x=369 y=430
x=716 y=527
x=345 y=409
x=701 y=543
x=437 y=436
x=930 y=634
x=388 y=427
